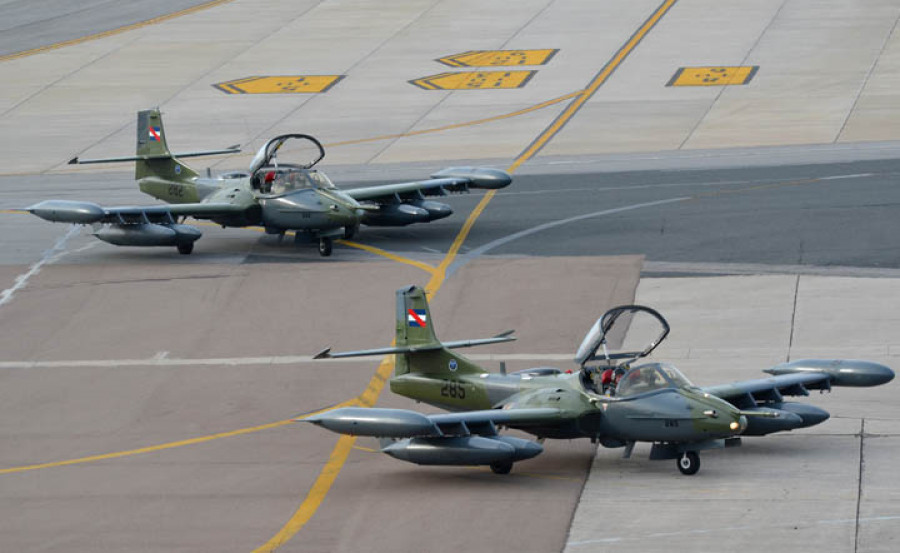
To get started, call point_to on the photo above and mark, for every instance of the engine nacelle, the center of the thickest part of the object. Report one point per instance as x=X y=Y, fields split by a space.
x=396 y=215
x=463 y=450
x=478 y=177
x=148 y=234
x=762 y=425
x=436 y=210
x=65 y=211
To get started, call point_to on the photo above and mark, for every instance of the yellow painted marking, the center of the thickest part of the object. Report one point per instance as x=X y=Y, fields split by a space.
x=516 y=113
x=481 y=58
x=366 y=449
x=111 y=32
x=170 y=445
x=713 y=76
x=280 y=84
x=15 y=211
x=338 y=457
x=475 y=80
x=332 y=468
x=595 y=83
x=393 y=257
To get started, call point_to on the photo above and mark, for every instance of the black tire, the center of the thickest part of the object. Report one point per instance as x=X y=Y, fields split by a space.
x=501 y=468
x=186 y=249
x=324 y=247
x=688 y=463
x=350 y=231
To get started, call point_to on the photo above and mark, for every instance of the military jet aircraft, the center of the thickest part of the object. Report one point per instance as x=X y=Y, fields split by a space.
x=609 y=399
x=280 y=196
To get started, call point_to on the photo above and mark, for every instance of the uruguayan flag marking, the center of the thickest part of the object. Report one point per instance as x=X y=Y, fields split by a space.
x=154 y=133
x=417 y=318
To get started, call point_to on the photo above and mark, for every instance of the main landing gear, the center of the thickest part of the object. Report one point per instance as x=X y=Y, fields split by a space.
x=688 y=463
x=185 y=248
x=501 y=467
x=325 y=245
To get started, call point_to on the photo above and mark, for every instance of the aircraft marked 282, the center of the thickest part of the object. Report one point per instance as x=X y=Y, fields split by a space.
x=480 y=58
x=713 y=76
x=280 y=84
x=475 y=80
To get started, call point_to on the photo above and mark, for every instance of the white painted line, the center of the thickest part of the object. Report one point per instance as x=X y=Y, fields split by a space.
x=53 y=254
x=856 y=176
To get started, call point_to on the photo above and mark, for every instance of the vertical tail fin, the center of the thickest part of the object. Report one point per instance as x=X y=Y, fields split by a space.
x=415 y=327
x=414 y=324
x=151 y=145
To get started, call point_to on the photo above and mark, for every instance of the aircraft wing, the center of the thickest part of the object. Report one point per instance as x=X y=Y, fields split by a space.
x=454 y=179
x=85 y=213
x=798 y=377
x=403 y=423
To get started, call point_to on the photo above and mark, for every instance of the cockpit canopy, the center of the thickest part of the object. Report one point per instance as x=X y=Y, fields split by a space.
x=623 y=334
x=288 y=179
x=649 y=377
x=272 y=174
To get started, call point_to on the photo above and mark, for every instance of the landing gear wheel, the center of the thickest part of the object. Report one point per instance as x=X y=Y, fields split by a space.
x=350 y=231
x=324 y=247
x=501 y=468
x=689 y=463
x=186 y=249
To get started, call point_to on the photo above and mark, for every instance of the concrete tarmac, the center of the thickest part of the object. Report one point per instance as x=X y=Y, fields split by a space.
x=146 y=397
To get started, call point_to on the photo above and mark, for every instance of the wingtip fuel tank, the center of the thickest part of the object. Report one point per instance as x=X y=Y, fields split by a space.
x=67 y=211
x=366 y=421
x=842 y=372
x=479 y=177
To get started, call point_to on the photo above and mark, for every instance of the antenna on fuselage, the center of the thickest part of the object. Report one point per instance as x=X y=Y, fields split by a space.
x=503 y=368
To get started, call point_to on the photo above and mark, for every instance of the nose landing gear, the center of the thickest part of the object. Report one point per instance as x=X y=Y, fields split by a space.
x=325 y=246
x=689 y=462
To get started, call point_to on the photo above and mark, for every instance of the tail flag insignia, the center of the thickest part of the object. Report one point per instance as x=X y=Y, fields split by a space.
x=154 y=133
x=417 y=318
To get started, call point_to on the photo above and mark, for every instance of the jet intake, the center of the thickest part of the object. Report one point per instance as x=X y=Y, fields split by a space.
x=396 y=215
x=65 y=211
x=463 y=450
x=762 y=425
x=148 y=234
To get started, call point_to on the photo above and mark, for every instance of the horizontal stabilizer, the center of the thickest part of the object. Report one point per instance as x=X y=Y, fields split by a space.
x=500 y=338
x=229 y=150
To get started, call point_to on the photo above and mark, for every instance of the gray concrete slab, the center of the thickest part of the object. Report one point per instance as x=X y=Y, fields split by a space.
x=234 y=493
x=795 y=490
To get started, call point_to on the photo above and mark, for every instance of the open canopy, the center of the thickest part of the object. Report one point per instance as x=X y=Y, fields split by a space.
x=297 y=150
x=627 y=332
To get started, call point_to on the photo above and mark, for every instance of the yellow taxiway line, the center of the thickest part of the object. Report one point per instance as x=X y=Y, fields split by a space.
x=116 y=31
x=370 y=395
x=595 y=83
x=501 y=117
x=170 y=445
x=392 y=256
x=342 y=450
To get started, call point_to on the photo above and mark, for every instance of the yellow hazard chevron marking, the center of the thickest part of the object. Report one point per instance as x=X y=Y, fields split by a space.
x=280 y=84
x=713 y=76
x=481 y=58
x=474 y=80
